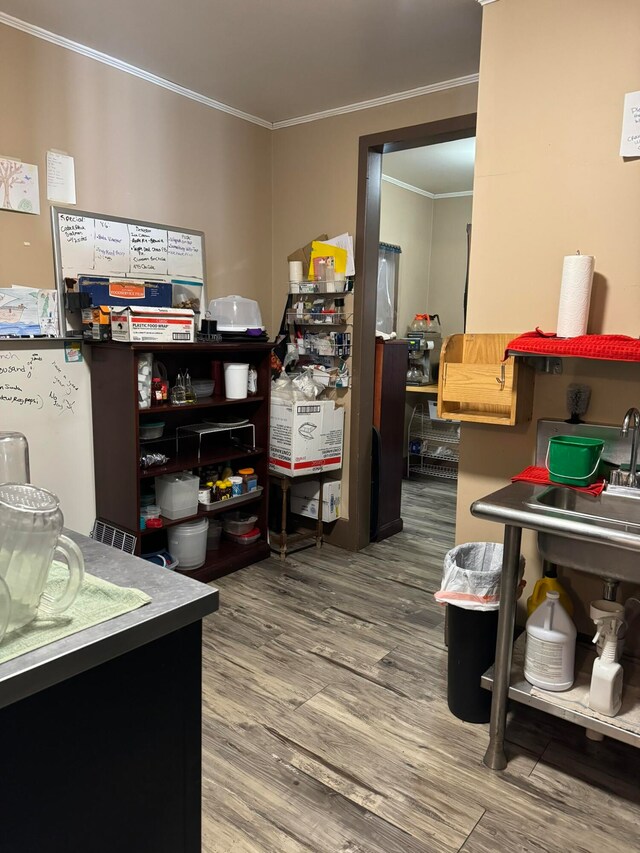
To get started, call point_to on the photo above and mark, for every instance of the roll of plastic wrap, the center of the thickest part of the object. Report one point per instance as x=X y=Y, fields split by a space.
x=575 y=295
x=295 y=271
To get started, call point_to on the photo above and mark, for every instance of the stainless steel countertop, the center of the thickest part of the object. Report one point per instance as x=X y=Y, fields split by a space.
x=176 y=601
x=509 y=506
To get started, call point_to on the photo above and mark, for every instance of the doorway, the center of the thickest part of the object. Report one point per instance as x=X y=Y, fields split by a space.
x=371 y=151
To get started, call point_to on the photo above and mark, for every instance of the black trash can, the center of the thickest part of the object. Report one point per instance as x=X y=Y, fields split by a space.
x=472 y=650
x=471 y=591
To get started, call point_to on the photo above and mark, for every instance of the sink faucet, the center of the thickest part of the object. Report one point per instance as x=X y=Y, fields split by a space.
x=632 y=416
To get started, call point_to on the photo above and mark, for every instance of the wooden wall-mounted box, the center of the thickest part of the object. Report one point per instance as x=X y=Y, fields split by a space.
x=476 y=385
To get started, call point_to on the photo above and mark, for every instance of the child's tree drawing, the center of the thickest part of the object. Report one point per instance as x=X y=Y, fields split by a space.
x=13 y=175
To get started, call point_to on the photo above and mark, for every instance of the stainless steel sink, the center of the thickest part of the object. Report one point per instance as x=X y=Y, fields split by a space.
x=606 y=509
x=611 y=513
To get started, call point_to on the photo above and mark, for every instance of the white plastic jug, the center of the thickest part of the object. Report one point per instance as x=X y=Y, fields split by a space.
x=551 y=646
x=236 y=381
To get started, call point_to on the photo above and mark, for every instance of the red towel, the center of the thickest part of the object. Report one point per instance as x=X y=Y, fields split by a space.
x=602 y=347
x=540 y=477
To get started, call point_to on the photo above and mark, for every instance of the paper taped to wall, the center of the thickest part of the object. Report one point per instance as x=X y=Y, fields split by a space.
x=630 y=141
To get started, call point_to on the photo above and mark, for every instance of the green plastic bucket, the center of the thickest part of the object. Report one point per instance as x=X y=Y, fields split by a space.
x=574 y=460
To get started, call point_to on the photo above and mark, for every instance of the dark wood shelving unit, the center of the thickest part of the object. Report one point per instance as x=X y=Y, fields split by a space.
x=117 y=445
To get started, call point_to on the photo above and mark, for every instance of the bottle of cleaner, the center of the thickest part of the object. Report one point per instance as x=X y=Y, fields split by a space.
x=548 y=581
x=605 y=695
x=551 y=646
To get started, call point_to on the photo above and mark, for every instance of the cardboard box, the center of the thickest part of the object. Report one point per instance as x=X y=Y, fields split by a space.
x=305 y=437
x=113 y=291
x=152 y=325
x=305 y=497
x=96 y=323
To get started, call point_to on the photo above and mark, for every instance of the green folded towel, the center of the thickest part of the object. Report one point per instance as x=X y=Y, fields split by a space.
x=97 y=601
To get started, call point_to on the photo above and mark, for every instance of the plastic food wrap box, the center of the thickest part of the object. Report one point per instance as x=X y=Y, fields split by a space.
x=305 y=437
x=152 y=325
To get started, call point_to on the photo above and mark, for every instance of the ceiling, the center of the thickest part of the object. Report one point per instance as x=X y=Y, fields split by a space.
x=443 y=168
x=276 y=59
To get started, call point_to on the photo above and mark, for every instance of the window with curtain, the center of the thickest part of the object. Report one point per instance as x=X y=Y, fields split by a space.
x=387 y=295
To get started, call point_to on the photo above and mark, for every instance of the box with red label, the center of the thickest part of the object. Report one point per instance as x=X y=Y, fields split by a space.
x=116 y=291
x=305 y=437
x=152 y=325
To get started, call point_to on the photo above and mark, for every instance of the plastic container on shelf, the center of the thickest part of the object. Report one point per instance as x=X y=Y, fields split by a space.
x=235 y=314
x=244 y=538
x=177 y=494
x=152 y=429
x=203 y=387
x=236 y=381
x=214 y=535
x=236 y=486
x=551 y=646
x=249 y=479
x=145 y=367
x=237 y=523
x=188 y=543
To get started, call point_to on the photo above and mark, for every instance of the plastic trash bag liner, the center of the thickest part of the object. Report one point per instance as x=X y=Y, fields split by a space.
x=471 y=576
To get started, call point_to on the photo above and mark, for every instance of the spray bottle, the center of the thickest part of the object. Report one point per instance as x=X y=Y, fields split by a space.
x=605 y=695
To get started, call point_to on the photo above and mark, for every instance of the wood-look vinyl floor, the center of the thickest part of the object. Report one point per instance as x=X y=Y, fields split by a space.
x=326 y=727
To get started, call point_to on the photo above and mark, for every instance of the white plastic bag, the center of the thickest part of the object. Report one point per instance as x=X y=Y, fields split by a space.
x=471 y=576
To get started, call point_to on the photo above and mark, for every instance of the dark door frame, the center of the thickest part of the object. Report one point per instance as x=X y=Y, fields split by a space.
x=354 y=535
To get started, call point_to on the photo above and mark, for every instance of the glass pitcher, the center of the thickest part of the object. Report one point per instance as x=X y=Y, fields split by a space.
x=30 y=536
x=14 y=458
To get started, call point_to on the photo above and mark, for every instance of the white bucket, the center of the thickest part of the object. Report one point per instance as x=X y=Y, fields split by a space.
x=188 y=543
x=236 y=381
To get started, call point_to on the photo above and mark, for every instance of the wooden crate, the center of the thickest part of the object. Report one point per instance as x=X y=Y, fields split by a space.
x=476 y=385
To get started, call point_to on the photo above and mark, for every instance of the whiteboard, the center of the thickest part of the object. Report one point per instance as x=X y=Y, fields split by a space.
x=49 y=400
x=96 y=244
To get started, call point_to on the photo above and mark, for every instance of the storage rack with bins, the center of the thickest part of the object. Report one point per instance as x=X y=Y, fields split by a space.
x=306 y=310
x=424 y=440
x=117 y=418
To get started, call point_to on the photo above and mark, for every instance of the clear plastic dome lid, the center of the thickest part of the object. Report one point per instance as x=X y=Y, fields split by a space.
x=235 y=314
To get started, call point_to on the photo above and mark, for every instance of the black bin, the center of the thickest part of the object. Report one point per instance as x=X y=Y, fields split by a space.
x=472 y=650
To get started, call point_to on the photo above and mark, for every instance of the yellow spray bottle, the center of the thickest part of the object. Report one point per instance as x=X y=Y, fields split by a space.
x=548 y=583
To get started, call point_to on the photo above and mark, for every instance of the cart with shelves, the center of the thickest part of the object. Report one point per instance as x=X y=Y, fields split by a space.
x=119 y=476
x=432 y=445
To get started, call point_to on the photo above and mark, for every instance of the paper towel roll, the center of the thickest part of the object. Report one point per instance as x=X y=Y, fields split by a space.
x=575 y=295
x=295 y=271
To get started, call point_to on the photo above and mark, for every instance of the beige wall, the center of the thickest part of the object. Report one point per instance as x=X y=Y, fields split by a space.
x=406 y=220
x=548 y=181
x=449 y=261
x=140 y=152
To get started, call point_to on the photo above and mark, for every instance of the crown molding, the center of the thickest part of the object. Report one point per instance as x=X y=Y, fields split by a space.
x=120 y=65
x=105 y=59
x=389 y=180
x=379 y=102
x=460 y=194
x=420 y=191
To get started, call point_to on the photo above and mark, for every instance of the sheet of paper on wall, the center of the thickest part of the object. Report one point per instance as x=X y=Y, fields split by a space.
x=630 y=141
x=148 y=247
x=345 y=241
x=184 y=254
x=76 y=243
x=111 y=247
x=27 y=311
x=19 y=189
x=61 y=178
